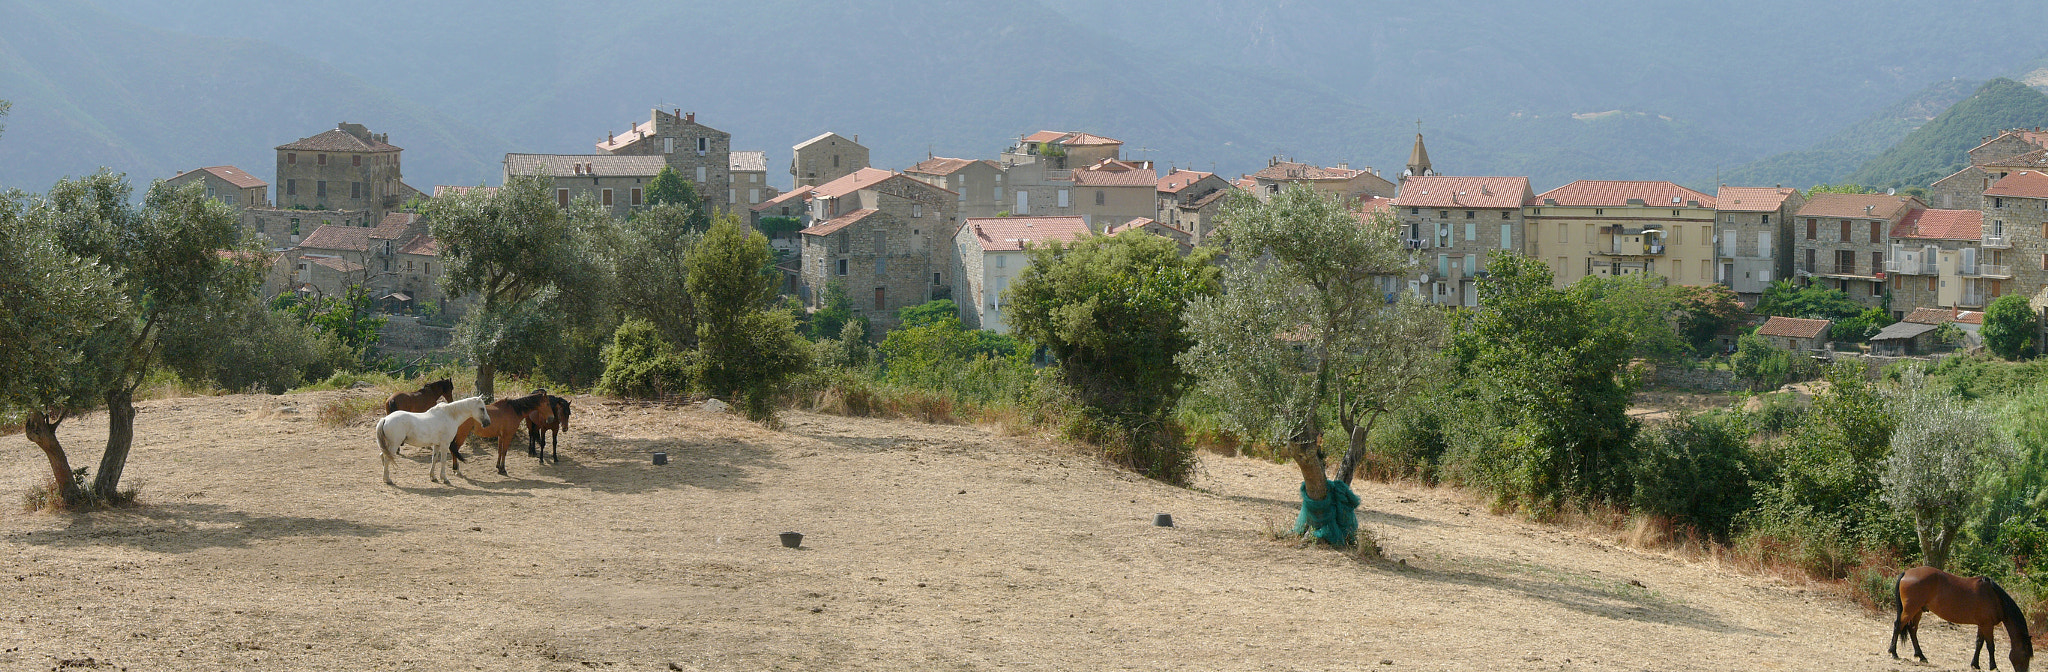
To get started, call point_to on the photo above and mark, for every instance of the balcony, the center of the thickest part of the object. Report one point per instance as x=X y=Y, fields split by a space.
x=1997 y=240
x=1994 y=270
x=1910 y=267
x=1413 y=244
x=1971 y=299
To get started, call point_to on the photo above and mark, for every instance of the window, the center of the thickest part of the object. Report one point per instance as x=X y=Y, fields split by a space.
x=1599 y=211
x=845 y=242
x=562 y=197
x=323 y=159
x=291 y=159
x=1997 y=202
x=1876 y=262
x=1099 y=197
x=881 y=266
x=668 y=145
x=704 y=145
x=320 y=188
x=635 y=195
x=1564 y=233
x=835 y=160
x=732 y=195
x=1415 y=211
x=355 y=190
x=935 y=279
x=295 y=227
x=1707 y=237
x=880 y=294
x=291 y=187
x=1469 y=214
x=606 y=197
x=259 y=225
x=700 y=174
x=356 y=160
x=1845 y=231
x=754 y=195
x=1876 y=232
x=1767 y=219
x=1706 y=267
x=427 y=267
x=1443 y=214
x=1001 y=260
x=1471 y=231
x=917 y=209
x=1503 y=214
x=1678 y=235
x=1674 y=213
x=842 y=267
x=1507 y=236
x=1061 y=198
x=1763 y=244
x=881 y=243
x=1930 y=283
x=1811 y=229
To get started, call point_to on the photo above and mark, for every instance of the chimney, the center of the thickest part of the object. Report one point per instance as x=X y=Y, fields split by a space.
x=690 y=118
x=609 y=138
x=679 y=112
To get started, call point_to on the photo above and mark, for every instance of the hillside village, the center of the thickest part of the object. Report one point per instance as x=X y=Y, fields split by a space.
x=957 y=227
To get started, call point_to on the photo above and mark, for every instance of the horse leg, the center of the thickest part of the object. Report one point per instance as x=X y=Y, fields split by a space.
x=504 y=444
x=1913 y=631
x=1898 y=628
x=1990 y=644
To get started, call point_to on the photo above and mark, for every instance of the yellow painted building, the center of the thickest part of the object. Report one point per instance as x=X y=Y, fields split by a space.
x=1609 y=228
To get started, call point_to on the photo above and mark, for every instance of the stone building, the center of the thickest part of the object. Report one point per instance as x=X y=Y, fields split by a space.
x=617 y=183
x=1418 y=162
x=2008 y=143
x=1189 y=200
x=348 y=168
x=230 y=185
x=1965 y=188
x=284 y=228
x=701 y=153
x=825 y=158
x=1150 y=226
x=790 y=204
x=1840 y=241
x=977 y=182
x=2015 y=237
x=991 y=252
x=1611 y=227
x=1798 y=335
x=883 y=235
x=1755 y=237
x=749 y=182
x=368 y=256
x=1454 y=222
x=1343 y=181
x=1109 y=192
x=1934 y=261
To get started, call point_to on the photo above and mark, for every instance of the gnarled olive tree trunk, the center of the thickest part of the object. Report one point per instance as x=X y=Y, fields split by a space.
x=42 y=431
x=120 y=438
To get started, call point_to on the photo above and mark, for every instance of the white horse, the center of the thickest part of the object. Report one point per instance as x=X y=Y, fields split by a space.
x=433 y=429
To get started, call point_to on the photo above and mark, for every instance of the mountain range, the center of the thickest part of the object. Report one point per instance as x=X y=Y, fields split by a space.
x=1600 y=89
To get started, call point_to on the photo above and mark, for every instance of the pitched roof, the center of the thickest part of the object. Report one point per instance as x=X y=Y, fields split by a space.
x=747 y=161
x=865 y=178
x=394 y=225
x=1177 y=180
x=1373 y=204
x=1439 y=191
x=1289 y=170
x=1135 y=223
x=939 y=165
x=639 y=131
x=2023 y=184
x=1793 y=327
x=337 y=263
x=338 y=237
x=830 y=226
x=1941 y=224
x=2034 y=137
x=1931 y=316
x=1902 y=330
x=1872 y=206
x=1009 y=234
x=1070 y=138
x=798 y=194
x=337 y=140
x=592 y=165
x=452 y=190
x=1113 y=173
x=821 y=137
x=1045 y=136
x=2034 y=159
x=235 y=176
x=1752 y=199
x=1617 y=193
x=1970 y=317
x=424 y=246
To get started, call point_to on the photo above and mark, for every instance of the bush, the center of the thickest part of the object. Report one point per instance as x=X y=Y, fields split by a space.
x=639 y=364
x=1695 y=470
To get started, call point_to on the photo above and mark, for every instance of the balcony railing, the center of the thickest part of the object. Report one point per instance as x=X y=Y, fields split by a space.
x=1997 y=240
x=1971 y=299
x=1414 y=244
x=1844 y=269
x=1994 y=270
x=1910 y=267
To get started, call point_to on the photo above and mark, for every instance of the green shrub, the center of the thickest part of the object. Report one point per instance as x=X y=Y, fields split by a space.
x=1695 y=469
x=639 y=364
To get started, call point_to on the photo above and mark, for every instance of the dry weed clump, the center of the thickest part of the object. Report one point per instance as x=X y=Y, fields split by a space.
x=351 y=410
x=43 y=496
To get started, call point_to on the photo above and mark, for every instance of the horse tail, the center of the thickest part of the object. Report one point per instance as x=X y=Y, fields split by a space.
x=1898 y=602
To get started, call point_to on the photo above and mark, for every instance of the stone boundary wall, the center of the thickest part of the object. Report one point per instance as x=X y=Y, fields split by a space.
x=405 y=333
x=1716 y=380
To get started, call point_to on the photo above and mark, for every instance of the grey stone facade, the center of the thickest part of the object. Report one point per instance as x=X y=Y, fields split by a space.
x=616 y=183
x=701 y=153
x=825 y=158
x=348 y=168
x=285 y=228
x=1842 y=240
x=230 y=185
x=2015 y=236
x=1453 y=223
x=882 y=234
x=1753 y=237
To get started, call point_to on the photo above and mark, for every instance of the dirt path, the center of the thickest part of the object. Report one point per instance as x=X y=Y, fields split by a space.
x=271 y=542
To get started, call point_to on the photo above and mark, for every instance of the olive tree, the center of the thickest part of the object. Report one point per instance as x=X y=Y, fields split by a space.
x=1304 y=329
x=647 y=260
x=1939 y=451
x=2009 y=326
x=747 y=351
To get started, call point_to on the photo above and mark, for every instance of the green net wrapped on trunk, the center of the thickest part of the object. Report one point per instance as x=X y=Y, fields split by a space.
x=1333 y=519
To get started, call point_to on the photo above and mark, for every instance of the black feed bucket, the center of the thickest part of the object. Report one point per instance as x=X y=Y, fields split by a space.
x=660 y=459
x=792 y=539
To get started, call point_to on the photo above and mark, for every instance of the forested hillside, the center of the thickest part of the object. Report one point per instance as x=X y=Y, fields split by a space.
x=1834 y=157
x=1942 y=146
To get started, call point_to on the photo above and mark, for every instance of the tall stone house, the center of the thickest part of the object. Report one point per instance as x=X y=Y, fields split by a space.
x=1110 y=192
x=1452 y=223
x=1618 y=227
x=616 y=183
x=230 y=185
x=825 y=158
x=701 y=153
x=2016 y=233
x=883 y=235
x=1343 y=181
x=749 y=181
x=396 y=260
x=1934 y=261
x=1190 y=200
x=1755 y=237
x=1038 y=173
x=978 y=183
x=347 y=168
x=1965 y=188
x=992 y=252
x=1840 y=241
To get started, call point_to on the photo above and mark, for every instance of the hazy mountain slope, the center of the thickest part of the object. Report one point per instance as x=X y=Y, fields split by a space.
x=1941 y=147
x=91 y=89
x=1833 y=158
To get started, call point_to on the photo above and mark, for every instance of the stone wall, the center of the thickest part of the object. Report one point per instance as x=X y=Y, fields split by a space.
x=1718 y=380
x=406 y=334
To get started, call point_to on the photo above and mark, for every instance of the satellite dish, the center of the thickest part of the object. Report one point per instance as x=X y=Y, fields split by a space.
x=1891 y=192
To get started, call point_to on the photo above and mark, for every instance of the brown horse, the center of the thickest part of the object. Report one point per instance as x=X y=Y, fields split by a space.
x=506 y=417
x=536 y=443
x=1979 y=602
x=419 y=402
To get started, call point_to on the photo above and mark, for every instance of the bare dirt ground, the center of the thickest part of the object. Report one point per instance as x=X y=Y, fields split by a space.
x=267 y=541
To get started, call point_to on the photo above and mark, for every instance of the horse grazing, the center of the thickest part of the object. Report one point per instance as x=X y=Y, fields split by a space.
x=505 y=418
x=1979 y=602
x=419 y=402
x=431 y=429
x=536 y=444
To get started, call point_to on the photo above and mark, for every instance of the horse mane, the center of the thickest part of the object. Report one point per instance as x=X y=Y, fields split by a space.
x=526 y=404
x=442 y=385
x=2015 y=617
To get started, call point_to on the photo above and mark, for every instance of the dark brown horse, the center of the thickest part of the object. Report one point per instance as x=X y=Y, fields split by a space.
x=1979 y=602
x=536 y=444
x=419 y=402
x=506 y=416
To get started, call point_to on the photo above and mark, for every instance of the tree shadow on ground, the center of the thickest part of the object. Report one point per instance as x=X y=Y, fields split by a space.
x=614 y=465
x=183 y=527
x=1583 y=593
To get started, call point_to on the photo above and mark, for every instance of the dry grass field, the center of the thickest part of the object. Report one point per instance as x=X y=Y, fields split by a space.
x=266 y=539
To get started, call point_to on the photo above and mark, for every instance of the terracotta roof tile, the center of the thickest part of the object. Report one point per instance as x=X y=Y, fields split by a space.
x=747 y=161
x=1941 y=225
x=1931 y=316
x=1616 y=193
x=393 y=226
x=1000 y=234
x=338 y=140
x=1084 y=139
x=592 y=165
x=338 y=237
x=639 y=131
x=452 y=190
x=1112 y=173
x=2023 y=184
x=1752 y=199
x=1971 y=317
x=1289 y=170
x=1438 y=191
x=1046 y=136
x=1793 y=327
x=830 y=226
x=1868 y=206
x=424 y=246
x=939 y=165
x=235 y=176
x=865 y=178
x=337 y=263
x=797 y=195
x=1177 y=180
